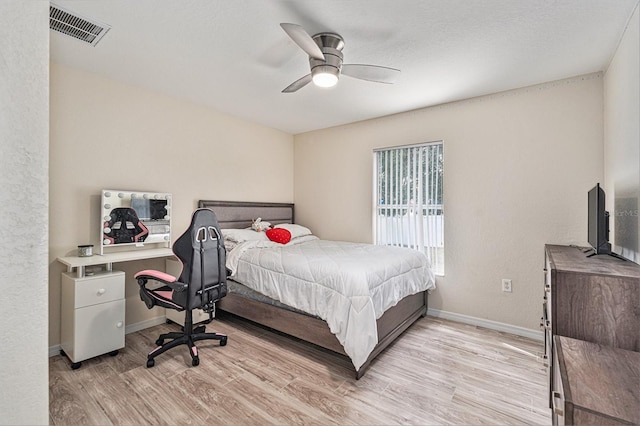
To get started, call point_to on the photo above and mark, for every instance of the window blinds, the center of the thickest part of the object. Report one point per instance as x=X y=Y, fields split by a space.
x=408 y=193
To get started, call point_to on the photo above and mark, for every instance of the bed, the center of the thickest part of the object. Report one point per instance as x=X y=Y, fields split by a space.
x=355 y=324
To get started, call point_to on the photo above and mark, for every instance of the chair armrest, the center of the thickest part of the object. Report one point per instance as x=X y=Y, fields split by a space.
x=151 y=274
x=178 y=286
x=162 y=277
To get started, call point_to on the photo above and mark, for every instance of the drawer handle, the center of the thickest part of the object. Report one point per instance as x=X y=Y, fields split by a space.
x=119 y=324
x=556 y=409
x=101 y=291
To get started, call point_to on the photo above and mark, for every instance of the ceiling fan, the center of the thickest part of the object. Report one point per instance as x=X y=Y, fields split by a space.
x=325 y=59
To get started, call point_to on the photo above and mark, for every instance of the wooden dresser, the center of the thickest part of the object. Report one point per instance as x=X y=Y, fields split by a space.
x=595 y=299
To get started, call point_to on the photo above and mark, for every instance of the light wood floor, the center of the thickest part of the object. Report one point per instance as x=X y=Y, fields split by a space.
x=437 y=372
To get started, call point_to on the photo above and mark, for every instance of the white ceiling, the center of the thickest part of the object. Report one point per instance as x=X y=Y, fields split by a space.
x=233 y=56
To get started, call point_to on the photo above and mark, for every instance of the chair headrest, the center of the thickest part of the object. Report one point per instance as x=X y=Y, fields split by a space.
x=203 y=228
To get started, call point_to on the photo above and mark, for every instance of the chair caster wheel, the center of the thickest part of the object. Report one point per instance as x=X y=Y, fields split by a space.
x=223 y=341
x=195 y=361
x=150 y=363
x=114 y=353
x=159 y=342
x=75 y=365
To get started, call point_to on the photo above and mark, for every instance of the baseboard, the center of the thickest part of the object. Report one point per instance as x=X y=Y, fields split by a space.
x=132 y=328
x=492 y=325
x=54 y=350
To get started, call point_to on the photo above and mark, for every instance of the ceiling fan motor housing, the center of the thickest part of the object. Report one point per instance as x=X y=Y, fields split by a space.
x=331 y=45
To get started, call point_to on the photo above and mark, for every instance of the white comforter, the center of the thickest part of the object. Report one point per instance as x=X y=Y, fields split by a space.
x=348 y=285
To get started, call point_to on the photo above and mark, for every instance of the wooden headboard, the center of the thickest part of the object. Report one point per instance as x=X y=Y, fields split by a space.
x=240 y=214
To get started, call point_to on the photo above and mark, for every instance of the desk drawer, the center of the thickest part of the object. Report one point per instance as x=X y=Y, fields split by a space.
x=96 y=289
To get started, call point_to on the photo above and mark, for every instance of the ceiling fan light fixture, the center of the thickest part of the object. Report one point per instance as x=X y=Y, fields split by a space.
x=325 y=76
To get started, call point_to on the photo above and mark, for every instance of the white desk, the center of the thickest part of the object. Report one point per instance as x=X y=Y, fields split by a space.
x=93 y=306
x=108 y=259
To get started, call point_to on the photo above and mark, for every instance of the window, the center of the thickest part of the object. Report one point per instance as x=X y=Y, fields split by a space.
x=408 y=194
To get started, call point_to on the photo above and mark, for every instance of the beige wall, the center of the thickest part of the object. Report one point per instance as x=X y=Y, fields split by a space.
x=24 y=119
x=518 y=166
x=106 y=135
x=622 y=142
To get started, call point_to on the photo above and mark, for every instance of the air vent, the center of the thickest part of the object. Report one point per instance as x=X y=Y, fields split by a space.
x=73 y=25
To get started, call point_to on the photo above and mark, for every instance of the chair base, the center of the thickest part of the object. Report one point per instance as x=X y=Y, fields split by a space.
x=184 y=338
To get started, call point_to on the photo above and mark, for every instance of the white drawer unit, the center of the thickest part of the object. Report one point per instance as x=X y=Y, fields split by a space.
x=92 y=315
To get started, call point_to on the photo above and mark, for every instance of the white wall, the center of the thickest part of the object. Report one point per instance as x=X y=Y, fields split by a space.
x=107 y=135
x=518 y=166
x=24 y=117
x=622 y=142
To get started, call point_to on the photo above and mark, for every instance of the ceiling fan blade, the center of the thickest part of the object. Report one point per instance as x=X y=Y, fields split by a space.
x=373 y=73
x=298 y=84
x=304 y=40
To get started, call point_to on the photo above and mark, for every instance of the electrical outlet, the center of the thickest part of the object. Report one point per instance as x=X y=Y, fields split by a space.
x=506 y=285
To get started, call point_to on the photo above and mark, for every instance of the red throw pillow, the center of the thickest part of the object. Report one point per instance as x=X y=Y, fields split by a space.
x=279 y=235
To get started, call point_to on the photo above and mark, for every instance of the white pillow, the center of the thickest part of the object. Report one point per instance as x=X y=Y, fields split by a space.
x=296 y=230
x=242 y=235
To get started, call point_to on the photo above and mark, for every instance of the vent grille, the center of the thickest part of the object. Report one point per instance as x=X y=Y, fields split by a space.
x=75 y=26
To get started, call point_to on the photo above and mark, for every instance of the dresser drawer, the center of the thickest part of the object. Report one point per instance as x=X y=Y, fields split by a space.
x=594 y=384
x=96 y=289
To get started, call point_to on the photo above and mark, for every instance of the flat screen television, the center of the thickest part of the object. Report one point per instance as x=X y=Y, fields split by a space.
x=599 y=223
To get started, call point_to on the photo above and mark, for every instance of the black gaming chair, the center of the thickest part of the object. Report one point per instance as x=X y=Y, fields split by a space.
x=201 y=283
x=124 y=226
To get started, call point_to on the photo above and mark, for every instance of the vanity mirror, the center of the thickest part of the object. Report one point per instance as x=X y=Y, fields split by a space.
x=134 y=218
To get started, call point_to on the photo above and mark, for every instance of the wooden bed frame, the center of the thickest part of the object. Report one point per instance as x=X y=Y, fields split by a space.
x=234 y=214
